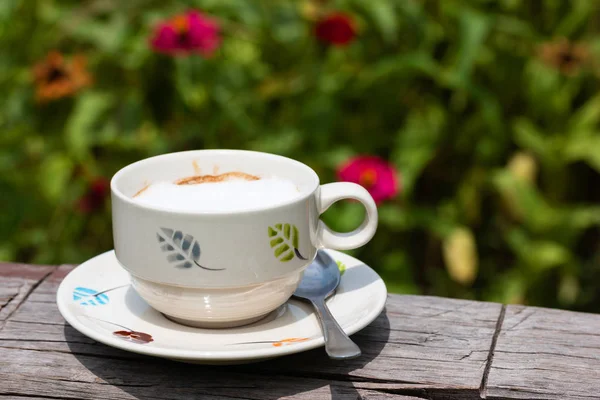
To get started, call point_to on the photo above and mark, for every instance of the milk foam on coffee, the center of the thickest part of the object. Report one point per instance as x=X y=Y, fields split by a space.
x=227 y=195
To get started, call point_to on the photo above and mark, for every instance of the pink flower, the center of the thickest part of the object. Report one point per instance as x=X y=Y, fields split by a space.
x=187 y=33
x=373 y=173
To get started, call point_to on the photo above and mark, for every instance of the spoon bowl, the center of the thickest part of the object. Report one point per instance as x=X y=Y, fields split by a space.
x=320 y=279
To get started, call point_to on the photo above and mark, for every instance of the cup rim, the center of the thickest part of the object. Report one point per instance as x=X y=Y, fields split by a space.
x=121 y=172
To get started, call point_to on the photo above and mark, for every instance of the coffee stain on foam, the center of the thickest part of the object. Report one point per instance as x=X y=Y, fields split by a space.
x=193 y=180
x=215 y=170
x=197 y=169
x=146 y=186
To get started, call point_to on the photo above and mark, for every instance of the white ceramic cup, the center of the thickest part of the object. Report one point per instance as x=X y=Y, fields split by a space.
x=221 y=269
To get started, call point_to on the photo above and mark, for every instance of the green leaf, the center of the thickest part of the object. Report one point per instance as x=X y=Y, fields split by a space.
x=581 y=218
x=190 y=83
x=547 y=95
x=546 y=254
x=281 y=249
x=408 y=218
x=508 y=287
x=586 y=118
x=537 y=255
x=6 y=252
x=284 y=242
x=344 y=216
x=526 y=203
x=341 y=267
x=528 y=136
x=55 y=176
x=474 y=28
x=276 y=241
x=403 y=65
x=107 y=36
x=584 y=149
x=283 y=142
x=417 y=143
x=576 y=19
x=82 y=125
x=384 y=18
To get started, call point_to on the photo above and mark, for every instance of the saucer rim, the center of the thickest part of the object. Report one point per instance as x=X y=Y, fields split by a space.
x=207 y=355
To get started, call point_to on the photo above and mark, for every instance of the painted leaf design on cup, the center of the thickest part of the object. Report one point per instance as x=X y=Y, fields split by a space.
x=284 y=241
x=89 y=297
x=182 y=249
x=341 y=267
x=134 y=336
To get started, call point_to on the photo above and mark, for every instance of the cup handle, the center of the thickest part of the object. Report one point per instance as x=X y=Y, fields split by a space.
x=329 y=194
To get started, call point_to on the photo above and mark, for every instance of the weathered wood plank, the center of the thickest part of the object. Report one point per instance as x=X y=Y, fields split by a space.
x=423 y=347
x=546 y=354
x=39 y=312
x=16 y=282
x=169 y=380
x=419 y=348
x=33 y=374
x=9 y=397
x=421 y=343
x=433 y=347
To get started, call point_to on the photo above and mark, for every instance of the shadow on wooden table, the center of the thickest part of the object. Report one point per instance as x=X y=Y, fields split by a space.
x=308 y=375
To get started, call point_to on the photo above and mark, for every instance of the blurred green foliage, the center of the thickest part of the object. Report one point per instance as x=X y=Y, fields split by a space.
x=498 y=149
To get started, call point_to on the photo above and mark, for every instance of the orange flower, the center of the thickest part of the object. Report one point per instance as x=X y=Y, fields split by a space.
x=56 y=78
x=566 y=56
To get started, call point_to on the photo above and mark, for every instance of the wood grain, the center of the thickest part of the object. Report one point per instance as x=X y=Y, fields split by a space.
x=419 y=348
x=546 y=354
x=16 y=283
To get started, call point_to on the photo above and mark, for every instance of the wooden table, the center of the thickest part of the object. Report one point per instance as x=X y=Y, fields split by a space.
x=418 y=348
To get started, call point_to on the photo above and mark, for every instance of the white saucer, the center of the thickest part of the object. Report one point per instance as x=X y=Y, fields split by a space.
x=97 y=300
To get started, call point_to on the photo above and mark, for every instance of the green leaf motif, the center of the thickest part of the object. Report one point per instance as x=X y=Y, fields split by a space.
x=341 y=267
x=284 y=241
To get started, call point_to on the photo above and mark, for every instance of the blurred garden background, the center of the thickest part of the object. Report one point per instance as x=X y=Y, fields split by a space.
x=475 y=124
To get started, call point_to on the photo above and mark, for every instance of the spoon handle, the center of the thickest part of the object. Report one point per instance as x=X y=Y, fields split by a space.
x=337 y=344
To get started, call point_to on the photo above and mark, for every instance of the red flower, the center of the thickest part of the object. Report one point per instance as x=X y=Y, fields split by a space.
x=95 y=196
x=336 y=29
x=373 y=173
x=187 y=33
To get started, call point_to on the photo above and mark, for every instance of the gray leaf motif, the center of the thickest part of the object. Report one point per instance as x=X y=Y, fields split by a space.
x=183 y=250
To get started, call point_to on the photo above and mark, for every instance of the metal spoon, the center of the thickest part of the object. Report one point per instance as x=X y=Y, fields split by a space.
x=320 y=280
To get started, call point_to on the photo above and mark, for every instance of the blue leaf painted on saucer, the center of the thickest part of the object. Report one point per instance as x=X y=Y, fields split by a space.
x=89 y=297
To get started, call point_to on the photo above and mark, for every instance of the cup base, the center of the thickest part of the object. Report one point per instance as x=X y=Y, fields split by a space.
x=215 y=324
x=216 y=308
